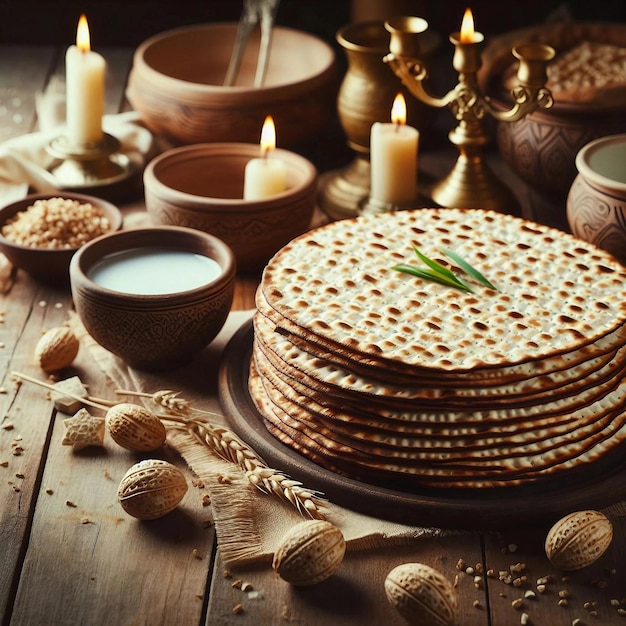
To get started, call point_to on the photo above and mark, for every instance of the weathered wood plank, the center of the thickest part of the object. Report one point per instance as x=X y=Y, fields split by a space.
x=24 y=70
x=112 y=564
x=26 y=419
x=598 y=583
x=353 y=596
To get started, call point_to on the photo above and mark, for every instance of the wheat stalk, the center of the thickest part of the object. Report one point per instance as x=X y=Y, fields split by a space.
x=267 y=480
x=224 y=443
x=170 y=400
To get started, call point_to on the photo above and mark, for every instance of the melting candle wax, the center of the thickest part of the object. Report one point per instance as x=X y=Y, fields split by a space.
x=154 y=271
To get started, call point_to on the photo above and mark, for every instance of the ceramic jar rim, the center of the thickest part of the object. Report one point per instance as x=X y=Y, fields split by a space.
x=143 y=238
x=583 y=163
x=229 y=93
x=293 y=161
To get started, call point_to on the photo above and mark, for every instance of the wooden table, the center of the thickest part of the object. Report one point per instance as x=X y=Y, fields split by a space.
x=69 y=555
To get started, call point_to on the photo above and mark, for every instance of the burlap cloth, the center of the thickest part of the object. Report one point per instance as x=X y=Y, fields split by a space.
x=249 y=524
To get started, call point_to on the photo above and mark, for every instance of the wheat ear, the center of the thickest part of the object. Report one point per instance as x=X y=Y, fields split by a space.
x=228 y=446
x=170 y=400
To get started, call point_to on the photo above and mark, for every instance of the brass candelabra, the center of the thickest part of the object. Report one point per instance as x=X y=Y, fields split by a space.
x=470 y=184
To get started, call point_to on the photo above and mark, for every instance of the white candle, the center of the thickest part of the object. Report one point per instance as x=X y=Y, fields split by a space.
x=265 y=176
x=393 y=158
x=84 y=74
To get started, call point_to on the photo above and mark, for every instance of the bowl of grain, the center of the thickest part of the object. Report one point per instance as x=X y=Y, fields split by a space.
x=41 y=232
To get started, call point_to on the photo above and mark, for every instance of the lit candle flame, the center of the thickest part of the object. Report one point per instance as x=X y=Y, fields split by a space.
x=398 y=110
x=82 y=35
x=268 y=136
x=467 y=27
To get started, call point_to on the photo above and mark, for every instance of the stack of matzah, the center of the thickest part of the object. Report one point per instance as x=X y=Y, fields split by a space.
x=386 y=377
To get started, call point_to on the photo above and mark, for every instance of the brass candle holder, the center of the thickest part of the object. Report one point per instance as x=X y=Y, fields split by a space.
x=471 y=184
x=94 y=166
x=365 y=96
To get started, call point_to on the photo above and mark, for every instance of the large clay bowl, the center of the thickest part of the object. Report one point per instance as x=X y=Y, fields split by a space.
x=201 y=187
x=156 y=328
x=176 y=85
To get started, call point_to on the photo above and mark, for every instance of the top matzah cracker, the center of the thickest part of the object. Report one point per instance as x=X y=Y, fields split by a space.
x=555 y=294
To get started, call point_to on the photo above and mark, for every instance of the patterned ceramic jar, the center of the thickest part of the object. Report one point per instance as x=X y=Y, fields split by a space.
x=596 y=203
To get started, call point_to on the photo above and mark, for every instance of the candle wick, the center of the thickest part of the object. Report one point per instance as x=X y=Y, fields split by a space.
x=396 y=127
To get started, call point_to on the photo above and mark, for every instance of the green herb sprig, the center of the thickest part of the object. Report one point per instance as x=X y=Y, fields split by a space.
x=441 y=274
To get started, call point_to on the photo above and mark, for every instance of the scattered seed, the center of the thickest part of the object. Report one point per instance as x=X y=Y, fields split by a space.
x=517 y=603
x=238 y=608
x=246 y=586
x=564 y=593
x=237 y=584
x=71 y=504
x=541 y=588
x=476 y=604
x=529 y=593
x=196 y=554
x=460 y=565
x=563 y=602
x=8 y=426
x=226 y=574
x=19 y=475
x=524 y=619
x=469 y=571
x=512 y=547
x=4 y=464
x=621 y=612
x=206 y=499
x=615 y=602
x=49 y=491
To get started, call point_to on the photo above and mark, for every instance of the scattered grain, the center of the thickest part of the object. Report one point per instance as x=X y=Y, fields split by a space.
x=196 y=554
x=238 y=608
x=517 y=603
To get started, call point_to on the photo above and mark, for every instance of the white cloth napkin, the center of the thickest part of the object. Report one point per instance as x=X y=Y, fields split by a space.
x=23 y=159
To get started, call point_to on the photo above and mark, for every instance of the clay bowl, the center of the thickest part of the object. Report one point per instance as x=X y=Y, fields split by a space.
x=201 y=187
x=49 y=265
x=542 y=147
x=596 y=203
x=156 y=296
x=176 y=85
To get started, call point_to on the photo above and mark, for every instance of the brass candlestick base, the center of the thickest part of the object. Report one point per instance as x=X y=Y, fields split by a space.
x=471 y=184
x=91 y=166
x=371 y=206
x=342 y=191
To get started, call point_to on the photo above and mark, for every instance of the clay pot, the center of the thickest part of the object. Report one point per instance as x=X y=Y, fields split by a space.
x=201 y=187
x=596 y=203
x=542 y=147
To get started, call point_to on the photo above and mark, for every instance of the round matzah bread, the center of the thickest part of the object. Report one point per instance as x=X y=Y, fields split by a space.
x=556 y=293
x=440 y=477
x=332 y=378
x=400 y=374
x=434 y=424
x=439 y=447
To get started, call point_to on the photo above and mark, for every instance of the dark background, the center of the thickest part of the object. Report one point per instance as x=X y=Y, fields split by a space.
x=129 y=22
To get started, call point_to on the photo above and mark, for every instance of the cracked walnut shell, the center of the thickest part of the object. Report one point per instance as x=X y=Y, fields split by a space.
x=578 y=539
x=309 y=553
x=151 y=489
x=422 y=595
